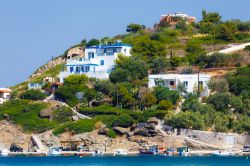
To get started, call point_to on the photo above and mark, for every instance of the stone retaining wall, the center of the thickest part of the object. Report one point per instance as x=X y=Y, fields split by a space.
x=215 y=138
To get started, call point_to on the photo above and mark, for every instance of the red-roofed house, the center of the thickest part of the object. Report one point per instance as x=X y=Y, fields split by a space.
x=4 y=94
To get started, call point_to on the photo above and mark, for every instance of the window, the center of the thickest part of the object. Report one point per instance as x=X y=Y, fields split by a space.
x=77 y=69
x=201 y=82
x=172 y=83
x=82 y=69
x=71 y=69
x=185 y=83
x=102 y=62
x=86 y=68
x=93 y=55
x=114 y=50
x=89 y=55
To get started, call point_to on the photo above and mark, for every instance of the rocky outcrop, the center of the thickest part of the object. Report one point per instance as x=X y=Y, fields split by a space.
x=48 y=113
x=49 y=65
x=153 y=120
x=103 y=131
x=146 y=129
x=76 y=52
x=49 y=140
x=100 y=102
x=99 y=125
x=121 y=130
x=9 y=133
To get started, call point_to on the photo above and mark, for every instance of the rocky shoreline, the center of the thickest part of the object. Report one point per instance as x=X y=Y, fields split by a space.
x=128 y=140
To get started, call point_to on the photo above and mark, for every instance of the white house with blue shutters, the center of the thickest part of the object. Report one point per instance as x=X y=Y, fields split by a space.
x=98 y=61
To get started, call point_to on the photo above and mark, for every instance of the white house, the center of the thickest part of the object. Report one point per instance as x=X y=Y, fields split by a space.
x=35 y=85
x=173 y=80
x=98 y=61
x=4 y=94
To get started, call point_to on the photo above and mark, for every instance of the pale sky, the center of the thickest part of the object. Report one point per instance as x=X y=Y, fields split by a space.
x=31 y=32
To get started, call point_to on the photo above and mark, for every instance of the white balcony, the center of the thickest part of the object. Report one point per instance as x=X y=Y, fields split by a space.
x=82 y=61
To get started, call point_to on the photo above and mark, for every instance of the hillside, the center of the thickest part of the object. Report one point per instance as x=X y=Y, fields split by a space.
x=118 y=104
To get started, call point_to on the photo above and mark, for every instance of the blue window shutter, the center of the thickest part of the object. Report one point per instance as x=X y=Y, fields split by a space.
x=71 y=69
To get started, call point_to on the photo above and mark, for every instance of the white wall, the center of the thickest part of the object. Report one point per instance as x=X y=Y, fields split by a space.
x=192 y=80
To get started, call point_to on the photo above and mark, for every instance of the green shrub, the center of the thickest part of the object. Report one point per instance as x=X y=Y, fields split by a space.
x=158 y=114
x=163 y=93
x=80 y=126
x=33 y=94
x=62 y=115
x=108 y=120
x=189 y=120
x=111 y=134
x=138 y=116
x=247 y=48
x=72 y=85
x=124 y=121
x=101 y=110
x=239 y=80
x=165 y=105
x=218 y=60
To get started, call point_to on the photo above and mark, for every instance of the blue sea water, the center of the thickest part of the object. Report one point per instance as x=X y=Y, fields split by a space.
x=124 y=161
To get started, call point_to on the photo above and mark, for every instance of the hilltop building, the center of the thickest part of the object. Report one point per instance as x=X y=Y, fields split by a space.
x=172 y=81
x=4 y=94
x=98 y=62
x=173 y=19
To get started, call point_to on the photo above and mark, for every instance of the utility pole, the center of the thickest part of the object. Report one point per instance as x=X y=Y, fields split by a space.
x=116 y=96
x=198 y=83
x=117 y=100
x=214 y=36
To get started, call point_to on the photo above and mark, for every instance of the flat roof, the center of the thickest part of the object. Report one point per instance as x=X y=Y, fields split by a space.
x=109 y=46
x=177 y=75
x=5 y=90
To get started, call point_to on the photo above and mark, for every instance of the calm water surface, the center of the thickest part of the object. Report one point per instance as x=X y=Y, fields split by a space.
x=124 y=161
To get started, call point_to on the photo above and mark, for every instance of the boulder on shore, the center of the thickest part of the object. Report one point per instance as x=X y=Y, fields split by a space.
x=151 y=126
x=142 y=132
x=121 y=130
x=153 y=120
x=103 y=131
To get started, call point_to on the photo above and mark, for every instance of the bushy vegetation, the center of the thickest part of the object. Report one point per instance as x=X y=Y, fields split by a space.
x=33 y=94
x=227 y=109
x=51 y=72
x=111 y=134
x=124 y=120
x=218 y=60
x=80 y=126
x=25 y=114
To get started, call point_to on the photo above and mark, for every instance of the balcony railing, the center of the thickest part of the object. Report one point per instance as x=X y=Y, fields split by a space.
x=106 y=54
x=89 y=72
